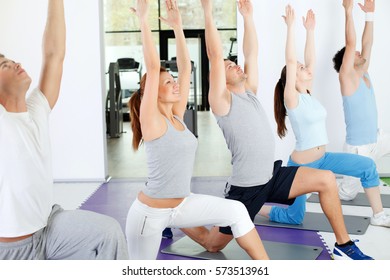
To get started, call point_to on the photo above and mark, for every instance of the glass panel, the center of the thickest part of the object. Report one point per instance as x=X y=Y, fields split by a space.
x=127 y=39
x=127 y=45
x=193 y=45
x=117 y=16
x=227 y=43
x=192 y=15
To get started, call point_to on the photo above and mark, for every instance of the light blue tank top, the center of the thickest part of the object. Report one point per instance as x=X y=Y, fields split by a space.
x=308 y=121
x=250 y=140
x=361 y=116
x=170 y=161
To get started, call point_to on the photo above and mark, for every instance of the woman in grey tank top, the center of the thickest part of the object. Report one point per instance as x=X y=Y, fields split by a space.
x=157 y=111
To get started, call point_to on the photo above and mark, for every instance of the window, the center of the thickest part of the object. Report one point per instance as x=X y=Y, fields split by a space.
x=123 y=37
x=119 y=23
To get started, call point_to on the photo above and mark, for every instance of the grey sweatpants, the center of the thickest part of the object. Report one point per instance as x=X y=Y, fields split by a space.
x=72 y=235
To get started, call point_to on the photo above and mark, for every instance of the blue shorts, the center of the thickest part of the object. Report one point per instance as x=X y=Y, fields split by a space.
x=276 y=190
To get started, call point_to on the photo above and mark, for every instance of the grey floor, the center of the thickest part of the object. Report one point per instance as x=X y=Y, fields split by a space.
x=212 y=158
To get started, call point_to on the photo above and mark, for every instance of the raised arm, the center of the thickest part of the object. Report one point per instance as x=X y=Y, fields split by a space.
x=290 y=92
x=310 y=55
x=53 y=48
x=173 y=19
x=218 y=93
x=150 y=116
x=347 y=67
x=250 y=45
x=368 y=33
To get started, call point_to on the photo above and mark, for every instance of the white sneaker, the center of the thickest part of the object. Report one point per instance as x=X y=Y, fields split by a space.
x=380 y=219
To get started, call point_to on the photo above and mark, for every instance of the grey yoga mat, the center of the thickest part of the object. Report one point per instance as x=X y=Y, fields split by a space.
x=317 y=221
x=359 y=200
x=275 y=250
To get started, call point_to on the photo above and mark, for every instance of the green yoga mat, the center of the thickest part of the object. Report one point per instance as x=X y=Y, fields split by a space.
x=386 y=180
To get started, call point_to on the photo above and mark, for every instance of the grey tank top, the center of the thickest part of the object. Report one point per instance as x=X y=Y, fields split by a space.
x=250 y=140
x=170 y=161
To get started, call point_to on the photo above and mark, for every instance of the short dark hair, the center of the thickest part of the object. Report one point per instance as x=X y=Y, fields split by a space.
x=338 y=59
x=2 y=55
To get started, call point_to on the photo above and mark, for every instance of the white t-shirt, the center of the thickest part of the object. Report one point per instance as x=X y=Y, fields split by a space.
x=26 y=180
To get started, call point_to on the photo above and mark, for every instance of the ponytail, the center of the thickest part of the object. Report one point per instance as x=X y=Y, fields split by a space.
x=280 y=111
x=134 y=106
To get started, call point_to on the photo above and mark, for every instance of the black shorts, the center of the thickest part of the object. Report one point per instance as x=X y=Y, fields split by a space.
x=276 y=190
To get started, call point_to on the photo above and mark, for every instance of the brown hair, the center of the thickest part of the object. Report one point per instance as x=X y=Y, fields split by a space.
x=2 y=55
x=280 y=111
x=134 y=106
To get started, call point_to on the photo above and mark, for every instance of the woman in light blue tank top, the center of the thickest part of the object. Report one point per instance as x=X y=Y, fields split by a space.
x=308 y=120
x=157 y=111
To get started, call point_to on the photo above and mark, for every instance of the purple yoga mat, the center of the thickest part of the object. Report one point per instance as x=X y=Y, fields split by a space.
x=114 y=199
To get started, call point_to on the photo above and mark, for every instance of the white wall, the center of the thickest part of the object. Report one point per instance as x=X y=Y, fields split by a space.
x=271 y=31
x=77 y=121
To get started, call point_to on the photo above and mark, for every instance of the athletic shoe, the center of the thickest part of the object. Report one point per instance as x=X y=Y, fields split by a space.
x=349 y=252
x=380 y=219
x=167 y=233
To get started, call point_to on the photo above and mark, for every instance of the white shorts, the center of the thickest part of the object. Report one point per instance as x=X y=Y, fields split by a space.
x=145 y=224
x=349 y=187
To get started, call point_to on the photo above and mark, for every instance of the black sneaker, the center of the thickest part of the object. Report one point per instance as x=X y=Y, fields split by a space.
x=167 y=233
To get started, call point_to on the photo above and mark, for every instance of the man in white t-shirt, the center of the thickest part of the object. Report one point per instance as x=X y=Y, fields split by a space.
x=31 y=226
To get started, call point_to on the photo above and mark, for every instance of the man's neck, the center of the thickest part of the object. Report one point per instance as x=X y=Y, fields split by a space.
x=238 y=88
x=13 y=104
x=360 y=71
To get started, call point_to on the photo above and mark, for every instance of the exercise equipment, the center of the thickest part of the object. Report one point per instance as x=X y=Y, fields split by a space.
x=117 y=98
x=232 y=55
x=127 y=66
x=191 y=113
x=114 y=107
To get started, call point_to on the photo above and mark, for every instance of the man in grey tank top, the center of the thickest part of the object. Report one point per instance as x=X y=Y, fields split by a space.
x=256 y=178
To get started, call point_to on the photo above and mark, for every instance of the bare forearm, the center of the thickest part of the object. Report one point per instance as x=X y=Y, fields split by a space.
x=217 y=88
x=250 y=44
x=310 y=56
x=182 y=54
x=350 y=34
x=151 y=57
x=55 y=31
x=368 y=35
x=291 y=56
x=213 y=41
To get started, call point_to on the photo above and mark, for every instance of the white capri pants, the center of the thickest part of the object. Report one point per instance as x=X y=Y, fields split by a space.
x=145 y=224
x=350 y=186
